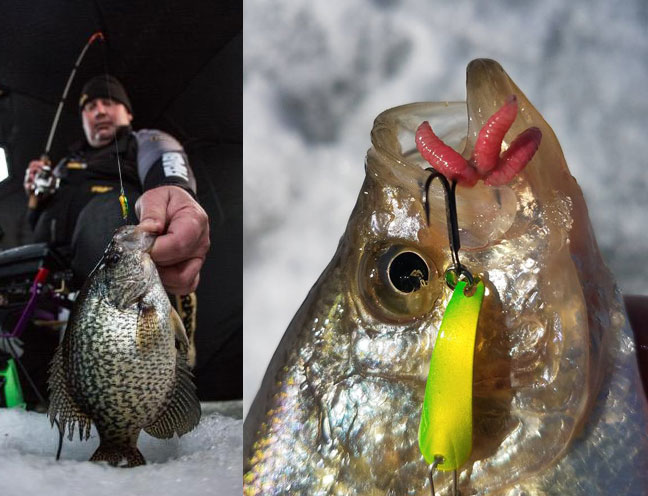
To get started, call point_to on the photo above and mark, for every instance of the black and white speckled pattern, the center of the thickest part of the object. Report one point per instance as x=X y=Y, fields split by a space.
x=118 y=364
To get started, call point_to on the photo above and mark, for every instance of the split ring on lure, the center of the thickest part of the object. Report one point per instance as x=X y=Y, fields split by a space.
x=486 y=162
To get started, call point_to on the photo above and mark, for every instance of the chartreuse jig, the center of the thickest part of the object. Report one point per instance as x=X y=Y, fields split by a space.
x=445 y=431
x=123 y=201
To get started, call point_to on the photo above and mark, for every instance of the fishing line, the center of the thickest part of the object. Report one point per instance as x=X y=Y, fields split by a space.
x=123 y=200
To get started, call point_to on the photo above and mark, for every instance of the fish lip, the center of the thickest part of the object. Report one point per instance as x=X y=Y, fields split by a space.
x=147 y=240
x=135 y=238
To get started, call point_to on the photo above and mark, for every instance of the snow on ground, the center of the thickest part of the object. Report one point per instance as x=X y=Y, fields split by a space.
x=207 y=460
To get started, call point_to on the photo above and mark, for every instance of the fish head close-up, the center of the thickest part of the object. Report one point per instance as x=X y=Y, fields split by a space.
x=126 y=269
x=555 y=391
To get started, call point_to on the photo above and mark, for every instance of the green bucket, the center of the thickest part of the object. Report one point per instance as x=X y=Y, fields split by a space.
x=10 y=391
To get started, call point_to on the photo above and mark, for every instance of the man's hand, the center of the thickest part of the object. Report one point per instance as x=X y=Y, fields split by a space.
x=183 y=226
x=32 y=169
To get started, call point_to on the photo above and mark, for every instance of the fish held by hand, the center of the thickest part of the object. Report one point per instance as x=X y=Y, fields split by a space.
x=122 y=363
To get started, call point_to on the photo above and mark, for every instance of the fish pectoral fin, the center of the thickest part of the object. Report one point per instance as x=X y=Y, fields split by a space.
x=183 y=412
x=186 y=306
x=62 y=406
x=178 y=328
x=148 y=328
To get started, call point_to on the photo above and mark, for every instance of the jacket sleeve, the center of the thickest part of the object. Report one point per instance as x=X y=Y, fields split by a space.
x=161 y=160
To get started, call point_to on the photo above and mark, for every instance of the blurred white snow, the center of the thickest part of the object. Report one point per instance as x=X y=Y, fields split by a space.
x=207 y=460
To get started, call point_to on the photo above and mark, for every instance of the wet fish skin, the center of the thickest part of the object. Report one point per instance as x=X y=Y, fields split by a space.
x=122 y=363
x=558 y=406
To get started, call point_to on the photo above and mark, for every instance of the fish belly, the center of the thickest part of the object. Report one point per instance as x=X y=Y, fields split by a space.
x=118 y=381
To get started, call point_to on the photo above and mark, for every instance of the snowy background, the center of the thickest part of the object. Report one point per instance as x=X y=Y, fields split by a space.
x=207 y=460
x=317 y=73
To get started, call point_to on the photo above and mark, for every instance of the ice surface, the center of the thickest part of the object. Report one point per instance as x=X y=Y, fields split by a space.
x=207 y=460
x=316 y=74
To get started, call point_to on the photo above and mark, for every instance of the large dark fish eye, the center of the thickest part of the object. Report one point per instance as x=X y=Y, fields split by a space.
x=408 y=272
x=398 y=281
x=113 y=256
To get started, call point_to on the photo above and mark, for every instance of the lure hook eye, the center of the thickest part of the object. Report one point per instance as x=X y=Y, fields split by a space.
x=454 y=274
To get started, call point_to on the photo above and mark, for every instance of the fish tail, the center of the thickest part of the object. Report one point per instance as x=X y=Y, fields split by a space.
x=118 y=455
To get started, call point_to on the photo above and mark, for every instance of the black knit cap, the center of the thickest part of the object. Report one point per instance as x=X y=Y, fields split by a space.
x=104 y=86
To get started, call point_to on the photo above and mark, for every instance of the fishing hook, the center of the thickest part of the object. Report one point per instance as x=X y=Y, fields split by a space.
x=456 y=270
x=455 y=489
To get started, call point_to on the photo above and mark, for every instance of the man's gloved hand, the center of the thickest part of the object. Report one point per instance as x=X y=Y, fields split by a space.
x=183 y=242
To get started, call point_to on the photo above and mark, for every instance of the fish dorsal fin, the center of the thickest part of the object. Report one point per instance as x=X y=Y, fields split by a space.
x=62 y=406
x=183 y=412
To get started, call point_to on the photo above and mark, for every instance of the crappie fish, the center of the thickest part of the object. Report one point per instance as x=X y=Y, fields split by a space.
x=558 y=407
x=122 y=363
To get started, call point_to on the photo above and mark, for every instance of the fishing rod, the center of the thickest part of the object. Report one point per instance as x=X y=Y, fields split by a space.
x=44 y=182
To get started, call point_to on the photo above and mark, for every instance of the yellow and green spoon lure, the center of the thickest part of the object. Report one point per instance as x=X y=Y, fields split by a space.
x=445 y=431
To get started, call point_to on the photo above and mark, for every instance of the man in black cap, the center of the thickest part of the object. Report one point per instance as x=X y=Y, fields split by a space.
x=80 y=214
x=157 y=179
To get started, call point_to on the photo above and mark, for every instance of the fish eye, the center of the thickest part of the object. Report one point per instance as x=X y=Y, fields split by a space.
x=407 y=272
x=113 y=256
x=398 y=282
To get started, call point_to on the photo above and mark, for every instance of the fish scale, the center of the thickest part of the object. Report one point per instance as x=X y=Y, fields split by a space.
x=122 y=363
x=104 y=368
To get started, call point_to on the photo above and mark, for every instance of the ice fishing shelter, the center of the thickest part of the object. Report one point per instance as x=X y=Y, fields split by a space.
x=181 y=62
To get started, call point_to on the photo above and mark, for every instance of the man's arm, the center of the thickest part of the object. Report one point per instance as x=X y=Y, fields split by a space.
x=168 y=207
x=162 y=160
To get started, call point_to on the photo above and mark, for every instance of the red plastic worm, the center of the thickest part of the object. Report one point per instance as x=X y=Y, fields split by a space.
x=489 y=140
x=515 y=157
x=486 y=162
x=443 y=158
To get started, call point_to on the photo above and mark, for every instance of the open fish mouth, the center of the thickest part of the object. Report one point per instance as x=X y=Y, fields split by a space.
x=485 y=213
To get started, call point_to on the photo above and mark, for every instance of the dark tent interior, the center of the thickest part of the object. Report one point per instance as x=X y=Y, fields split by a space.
x=181 y=62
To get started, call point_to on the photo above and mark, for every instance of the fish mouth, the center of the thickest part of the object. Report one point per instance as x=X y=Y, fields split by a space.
x=486 y=213
x=134 y=238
